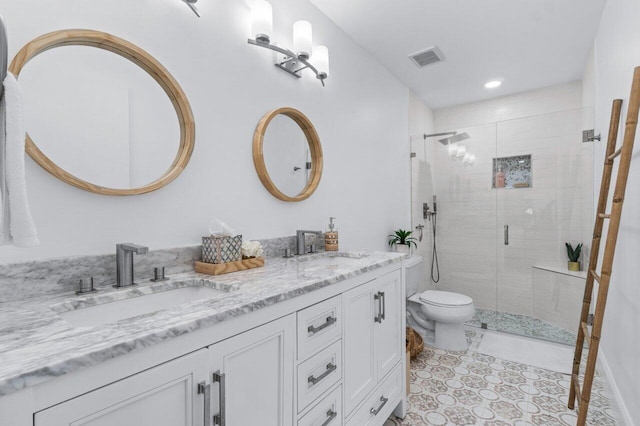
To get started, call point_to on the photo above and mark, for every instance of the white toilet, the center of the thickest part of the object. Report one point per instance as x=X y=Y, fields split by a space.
x=438 y=316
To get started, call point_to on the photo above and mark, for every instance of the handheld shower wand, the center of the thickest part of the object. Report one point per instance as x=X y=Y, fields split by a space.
x=435 y=267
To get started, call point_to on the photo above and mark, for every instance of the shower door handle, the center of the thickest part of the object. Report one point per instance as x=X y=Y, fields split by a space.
x=506 y=235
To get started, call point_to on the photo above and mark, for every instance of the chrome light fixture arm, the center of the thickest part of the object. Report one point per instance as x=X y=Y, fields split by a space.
x=192 y=6
x=291 y=63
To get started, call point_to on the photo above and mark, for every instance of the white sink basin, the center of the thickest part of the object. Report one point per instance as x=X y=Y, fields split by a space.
x=112 y=311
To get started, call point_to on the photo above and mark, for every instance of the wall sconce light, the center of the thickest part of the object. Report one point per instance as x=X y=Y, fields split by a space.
x=292 y=63
x=192 y=6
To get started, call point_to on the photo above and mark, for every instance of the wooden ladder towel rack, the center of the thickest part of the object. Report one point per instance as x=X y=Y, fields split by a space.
x=576 y=392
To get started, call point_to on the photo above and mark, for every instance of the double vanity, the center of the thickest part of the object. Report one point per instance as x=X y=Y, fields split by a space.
x=312 y=340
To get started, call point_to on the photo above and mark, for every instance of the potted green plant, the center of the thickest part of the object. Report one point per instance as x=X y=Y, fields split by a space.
x=574 y=255
x=402 y=240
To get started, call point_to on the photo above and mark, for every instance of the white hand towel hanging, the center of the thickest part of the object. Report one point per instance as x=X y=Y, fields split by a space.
x=17 y=223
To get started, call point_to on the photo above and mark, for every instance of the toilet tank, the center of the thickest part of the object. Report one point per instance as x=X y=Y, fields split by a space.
x=414 y=274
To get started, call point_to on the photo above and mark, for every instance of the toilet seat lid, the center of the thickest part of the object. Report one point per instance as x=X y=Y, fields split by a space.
x=445 y=298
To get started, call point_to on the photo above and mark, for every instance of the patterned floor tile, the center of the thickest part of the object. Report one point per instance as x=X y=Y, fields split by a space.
x=470 y=388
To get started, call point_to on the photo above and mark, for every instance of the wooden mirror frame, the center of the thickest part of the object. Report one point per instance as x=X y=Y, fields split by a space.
x=314 y=147
x=100 y=40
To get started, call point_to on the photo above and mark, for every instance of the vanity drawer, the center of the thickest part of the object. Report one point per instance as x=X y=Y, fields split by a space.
x=327 y=413
x=318 y=326
x=318 y=374
x=381 y=403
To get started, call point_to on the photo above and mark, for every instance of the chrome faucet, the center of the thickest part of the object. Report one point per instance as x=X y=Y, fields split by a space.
x=124 y=262
x=300 y=240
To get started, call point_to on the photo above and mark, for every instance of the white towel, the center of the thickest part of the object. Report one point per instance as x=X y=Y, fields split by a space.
x=17 y=223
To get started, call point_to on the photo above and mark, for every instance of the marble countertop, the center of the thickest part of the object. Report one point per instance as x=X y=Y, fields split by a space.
x=36 y=344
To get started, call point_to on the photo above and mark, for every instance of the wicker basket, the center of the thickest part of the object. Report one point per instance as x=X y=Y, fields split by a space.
x=415 y=344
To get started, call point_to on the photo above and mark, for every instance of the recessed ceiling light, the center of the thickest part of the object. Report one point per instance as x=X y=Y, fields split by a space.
x=493 y=84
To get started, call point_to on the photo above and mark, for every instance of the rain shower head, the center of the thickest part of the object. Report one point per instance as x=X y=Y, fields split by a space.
x=435 y=135
x=457 y=137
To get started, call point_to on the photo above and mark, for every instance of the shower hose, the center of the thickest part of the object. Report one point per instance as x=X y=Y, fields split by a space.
x=435 y=268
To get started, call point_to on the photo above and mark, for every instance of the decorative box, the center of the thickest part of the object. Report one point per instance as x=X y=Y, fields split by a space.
x=221 y=249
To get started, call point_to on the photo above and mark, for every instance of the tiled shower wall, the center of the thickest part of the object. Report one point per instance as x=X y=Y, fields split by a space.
x=471 y=215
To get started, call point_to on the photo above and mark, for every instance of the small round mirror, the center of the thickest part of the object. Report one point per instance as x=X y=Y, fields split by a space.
x=287 y=154
x=102 y=121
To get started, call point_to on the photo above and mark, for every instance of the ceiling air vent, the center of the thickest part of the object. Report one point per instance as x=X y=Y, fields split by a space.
x=427 y=57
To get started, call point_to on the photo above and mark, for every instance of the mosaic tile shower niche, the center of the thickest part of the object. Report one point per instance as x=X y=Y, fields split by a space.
x=512 y=172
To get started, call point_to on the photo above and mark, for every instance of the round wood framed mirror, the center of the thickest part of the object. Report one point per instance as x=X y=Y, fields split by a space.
x=287 y=154
x=150 y=66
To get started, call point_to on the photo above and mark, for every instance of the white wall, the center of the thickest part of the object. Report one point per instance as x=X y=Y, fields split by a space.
x=535 y=102
x=361 y=117
x=617 y=52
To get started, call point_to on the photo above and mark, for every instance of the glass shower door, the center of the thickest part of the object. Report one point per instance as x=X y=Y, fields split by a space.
x=542 y=178
x=458 y=172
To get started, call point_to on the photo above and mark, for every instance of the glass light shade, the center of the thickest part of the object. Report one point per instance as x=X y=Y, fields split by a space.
x=466 y=159
x=320 y=60
x=302 y=37
x=261 y=20
x=472 y=158
x=453 y=150
x=461 y=151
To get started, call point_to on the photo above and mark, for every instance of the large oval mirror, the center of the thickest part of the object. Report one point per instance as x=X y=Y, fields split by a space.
x=102 y=122
x=287 y=154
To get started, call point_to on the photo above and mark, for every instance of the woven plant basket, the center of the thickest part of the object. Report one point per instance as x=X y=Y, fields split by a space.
x=415 y=344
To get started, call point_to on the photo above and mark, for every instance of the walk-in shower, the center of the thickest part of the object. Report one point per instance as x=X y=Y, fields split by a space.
x=531 y=174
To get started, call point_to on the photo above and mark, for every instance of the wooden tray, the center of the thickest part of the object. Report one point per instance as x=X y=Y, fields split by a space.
x=225 y=268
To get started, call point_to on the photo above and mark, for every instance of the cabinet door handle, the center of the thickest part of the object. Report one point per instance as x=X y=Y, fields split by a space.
x=330 y=416
x=331 y=367
x=220 y=419
x=330 y=321
x=378 y=317
x=383 y=401
x=384 y=304
x=204 y=389
x=379 y=296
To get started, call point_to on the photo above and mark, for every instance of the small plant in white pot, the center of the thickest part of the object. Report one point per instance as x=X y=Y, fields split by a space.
x=402 y=240
x=574 y=256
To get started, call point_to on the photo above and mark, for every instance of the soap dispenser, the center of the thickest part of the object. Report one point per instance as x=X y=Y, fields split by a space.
x=331 y=237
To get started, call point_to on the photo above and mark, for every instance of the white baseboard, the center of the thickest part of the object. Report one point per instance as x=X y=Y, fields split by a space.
x=603 y=365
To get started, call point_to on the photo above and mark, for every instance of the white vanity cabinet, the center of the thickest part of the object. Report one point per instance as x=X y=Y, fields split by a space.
x=243 y=380
x=331 y=357
x=251 y=376
x=166 y=395
x=373 y=340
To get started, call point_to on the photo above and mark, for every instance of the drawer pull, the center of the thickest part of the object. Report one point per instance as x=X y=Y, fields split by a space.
x=330 y=416
x=384 y=402
x=330 y=321
x=331 y=367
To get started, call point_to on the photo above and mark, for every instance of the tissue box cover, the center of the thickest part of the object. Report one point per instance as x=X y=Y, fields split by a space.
x=221 y=249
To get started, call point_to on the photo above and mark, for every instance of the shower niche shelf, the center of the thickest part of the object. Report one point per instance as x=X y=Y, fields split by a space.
x=512 y=172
